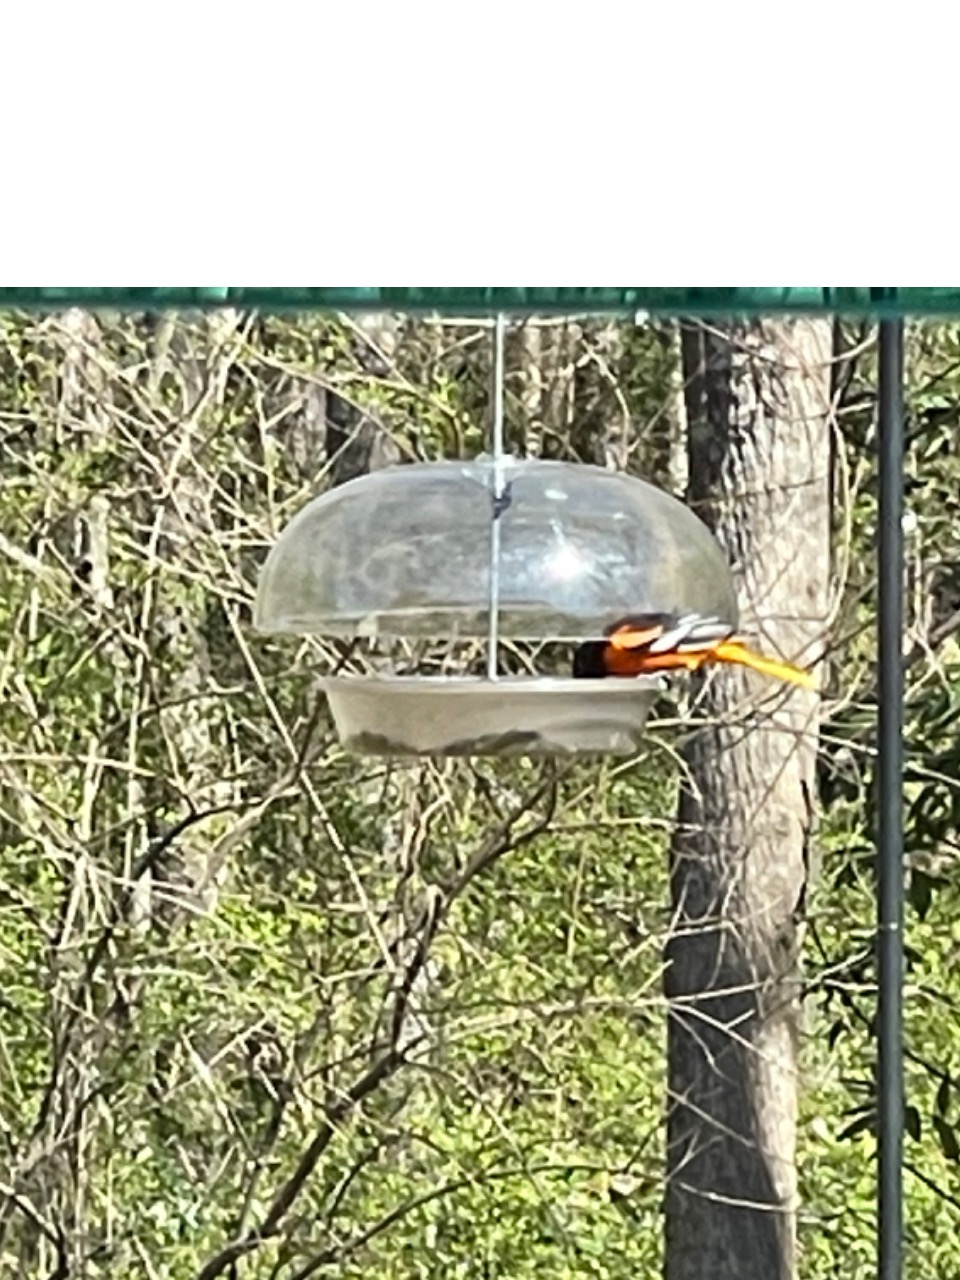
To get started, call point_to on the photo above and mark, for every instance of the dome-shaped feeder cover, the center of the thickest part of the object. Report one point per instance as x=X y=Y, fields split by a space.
x=406 y=552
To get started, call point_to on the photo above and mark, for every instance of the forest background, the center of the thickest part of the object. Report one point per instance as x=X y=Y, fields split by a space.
x=269 y=1010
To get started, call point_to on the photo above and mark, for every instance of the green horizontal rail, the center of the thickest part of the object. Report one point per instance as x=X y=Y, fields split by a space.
x=878 y=302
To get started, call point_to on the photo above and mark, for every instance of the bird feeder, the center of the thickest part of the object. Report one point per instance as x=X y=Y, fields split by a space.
x=491 y=549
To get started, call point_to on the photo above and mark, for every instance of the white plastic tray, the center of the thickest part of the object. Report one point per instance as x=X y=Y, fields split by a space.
x=465 y=716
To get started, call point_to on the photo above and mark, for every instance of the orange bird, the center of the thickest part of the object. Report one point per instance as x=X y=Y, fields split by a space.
x=658 y=642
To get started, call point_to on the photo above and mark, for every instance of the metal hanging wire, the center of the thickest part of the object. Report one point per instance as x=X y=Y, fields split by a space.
x=500 y=494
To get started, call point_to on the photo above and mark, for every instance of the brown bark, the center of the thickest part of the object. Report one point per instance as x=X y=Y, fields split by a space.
x=757 y=402
x=356 y=442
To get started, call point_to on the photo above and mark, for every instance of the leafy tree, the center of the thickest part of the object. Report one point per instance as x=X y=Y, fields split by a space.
x=274 y=1011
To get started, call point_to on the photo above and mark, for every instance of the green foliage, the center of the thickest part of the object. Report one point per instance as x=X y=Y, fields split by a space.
x=842 y=978
x=204 y=936
x=172 y=1041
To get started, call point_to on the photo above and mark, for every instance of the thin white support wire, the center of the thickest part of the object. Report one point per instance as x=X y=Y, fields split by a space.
x=493 y=629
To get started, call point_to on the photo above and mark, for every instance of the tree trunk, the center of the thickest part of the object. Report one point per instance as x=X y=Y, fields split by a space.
x=757 y=403
x=357 y=443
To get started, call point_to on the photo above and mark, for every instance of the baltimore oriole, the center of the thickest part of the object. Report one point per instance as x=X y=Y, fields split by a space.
x=655 y=642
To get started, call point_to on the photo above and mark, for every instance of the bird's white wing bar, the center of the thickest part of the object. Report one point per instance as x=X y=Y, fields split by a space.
x=691 y=634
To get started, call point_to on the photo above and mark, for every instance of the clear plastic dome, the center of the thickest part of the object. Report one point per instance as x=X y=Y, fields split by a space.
x=406 y=552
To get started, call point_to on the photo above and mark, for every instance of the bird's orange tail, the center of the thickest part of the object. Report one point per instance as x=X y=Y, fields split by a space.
x=733 y=651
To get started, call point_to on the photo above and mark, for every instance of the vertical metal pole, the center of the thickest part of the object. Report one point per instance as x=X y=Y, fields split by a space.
x=890 y=805
x=493 y=633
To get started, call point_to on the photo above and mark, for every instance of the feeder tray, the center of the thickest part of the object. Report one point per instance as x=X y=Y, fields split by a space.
x=407 y=552
x=519 y=716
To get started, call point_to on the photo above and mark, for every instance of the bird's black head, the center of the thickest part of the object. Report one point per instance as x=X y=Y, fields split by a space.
x=588 y=661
